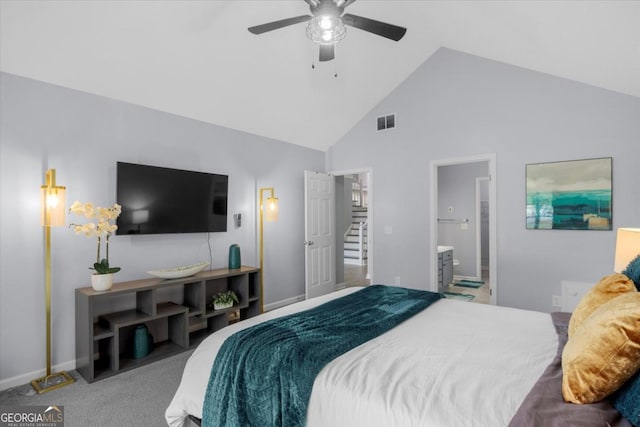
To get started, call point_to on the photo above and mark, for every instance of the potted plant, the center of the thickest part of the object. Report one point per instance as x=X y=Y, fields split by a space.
x=102 y=228
x=224 y=300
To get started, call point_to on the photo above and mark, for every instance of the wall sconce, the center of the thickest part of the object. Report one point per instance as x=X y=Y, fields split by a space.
x=53 y=214
x=270 y=213
x=627 y=247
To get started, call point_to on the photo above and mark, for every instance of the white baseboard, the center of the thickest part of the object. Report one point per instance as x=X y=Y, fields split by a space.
x=30 y=376
x=282 y=303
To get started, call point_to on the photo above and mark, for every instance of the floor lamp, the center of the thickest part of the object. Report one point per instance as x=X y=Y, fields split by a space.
x=270 y=214
x=53 y=214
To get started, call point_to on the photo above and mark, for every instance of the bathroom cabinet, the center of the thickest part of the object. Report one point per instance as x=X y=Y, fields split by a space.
x=445 y=269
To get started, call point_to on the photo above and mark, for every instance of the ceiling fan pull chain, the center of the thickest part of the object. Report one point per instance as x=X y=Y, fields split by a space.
x=312 y=49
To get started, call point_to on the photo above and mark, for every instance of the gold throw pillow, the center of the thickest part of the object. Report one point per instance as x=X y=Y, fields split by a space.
x=608 y=288
x=603 y=352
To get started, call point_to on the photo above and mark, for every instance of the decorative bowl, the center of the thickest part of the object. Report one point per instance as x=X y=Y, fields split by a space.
x=179 y=272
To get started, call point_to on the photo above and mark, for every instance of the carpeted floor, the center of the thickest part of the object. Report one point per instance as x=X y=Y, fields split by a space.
x=133 y=398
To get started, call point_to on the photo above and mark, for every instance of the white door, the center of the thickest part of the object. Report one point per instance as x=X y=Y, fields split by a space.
x=319 y=236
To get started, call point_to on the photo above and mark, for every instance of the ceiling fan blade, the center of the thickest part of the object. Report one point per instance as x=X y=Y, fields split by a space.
x=346 y=3
x=327 y=52
x=382 y=29
x=270 y=26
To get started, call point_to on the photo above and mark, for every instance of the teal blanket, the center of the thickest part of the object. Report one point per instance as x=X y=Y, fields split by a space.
x=263 y=375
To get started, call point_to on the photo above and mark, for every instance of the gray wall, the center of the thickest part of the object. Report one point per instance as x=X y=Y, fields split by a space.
x=457 y=189
x=457 y=105
x=82 y=136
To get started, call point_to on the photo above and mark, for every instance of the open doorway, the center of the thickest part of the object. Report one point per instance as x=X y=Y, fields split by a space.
x=462 y=189
x=354 y=237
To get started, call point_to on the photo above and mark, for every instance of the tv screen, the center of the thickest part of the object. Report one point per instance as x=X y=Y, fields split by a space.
x=159 y=200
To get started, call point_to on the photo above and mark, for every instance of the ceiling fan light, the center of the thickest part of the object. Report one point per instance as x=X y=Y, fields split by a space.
x=326 y=30
x=326 y=22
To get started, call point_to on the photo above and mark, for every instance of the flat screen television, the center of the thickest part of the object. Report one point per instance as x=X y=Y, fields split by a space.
x=157 y=200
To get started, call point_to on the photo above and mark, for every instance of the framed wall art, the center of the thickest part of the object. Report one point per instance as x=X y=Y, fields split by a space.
x=570 y=195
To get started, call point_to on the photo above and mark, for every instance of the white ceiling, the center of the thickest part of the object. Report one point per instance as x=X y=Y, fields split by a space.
x=197 y=59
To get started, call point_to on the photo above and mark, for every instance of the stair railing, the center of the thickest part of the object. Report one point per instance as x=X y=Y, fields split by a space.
x=349 y=228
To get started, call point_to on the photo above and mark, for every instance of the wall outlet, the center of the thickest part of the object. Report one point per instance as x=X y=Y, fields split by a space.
x=556 y=301
x=396 y=280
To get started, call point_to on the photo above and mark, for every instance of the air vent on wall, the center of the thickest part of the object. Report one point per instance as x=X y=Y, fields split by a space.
x=386 y=122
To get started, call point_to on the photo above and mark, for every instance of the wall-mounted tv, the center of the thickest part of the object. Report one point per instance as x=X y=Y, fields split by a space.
x=158 y=200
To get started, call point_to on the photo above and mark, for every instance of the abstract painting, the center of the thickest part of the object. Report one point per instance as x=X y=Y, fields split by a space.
x=570 y=195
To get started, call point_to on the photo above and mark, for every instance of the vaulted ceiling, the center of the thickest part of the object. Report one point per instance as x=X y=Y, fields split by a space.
x=197 y=59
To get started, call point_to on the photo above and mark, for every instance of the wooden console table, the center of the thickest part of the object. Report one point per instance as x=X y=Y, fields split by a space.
x=176 y=311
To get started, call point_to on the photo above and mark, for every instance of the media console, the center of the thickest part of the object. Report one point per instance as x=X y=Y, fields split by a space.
x=176 y=312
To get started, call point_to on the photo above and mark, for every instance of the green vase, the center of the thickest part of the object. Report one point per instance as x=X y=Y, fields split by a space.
x=142 y=342
x=234 y=257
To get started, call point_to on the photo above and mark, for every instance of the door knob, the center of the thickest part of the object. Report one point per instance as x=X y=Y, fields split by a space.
x=308 y=242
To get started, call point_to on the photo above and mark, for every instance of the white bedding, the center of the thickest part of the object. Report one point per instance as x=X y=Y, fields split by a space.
x=453 y=364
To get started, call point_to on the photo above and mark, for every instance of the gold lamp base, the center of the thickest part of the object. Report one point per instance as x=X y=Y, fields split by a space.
x=52 y=382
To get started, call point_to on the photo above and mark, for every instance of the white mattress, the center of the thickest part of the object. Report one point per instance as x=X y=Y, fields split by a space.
x=453 y=364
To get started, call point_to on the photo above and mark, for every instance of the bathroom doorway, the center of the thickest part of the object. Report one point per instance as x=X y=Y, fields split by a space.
x=461 y=189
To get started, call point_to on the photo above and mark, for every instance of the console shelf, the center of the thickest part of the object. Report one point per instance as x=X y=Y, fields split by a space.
x=175 y=311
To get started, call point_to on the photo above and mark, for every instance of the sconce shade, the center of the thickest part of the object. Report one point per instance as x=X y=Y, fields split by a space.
x=627 y=247
x=271 y=212
x=52 y=201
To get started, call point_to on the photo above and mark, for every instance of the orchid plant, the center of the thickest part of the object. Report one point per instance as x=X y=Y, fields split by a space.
x=102 y=228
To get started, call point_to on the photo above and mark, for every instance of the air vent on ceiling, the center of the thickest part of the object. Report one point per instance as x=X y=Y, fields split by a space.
x=386 y=122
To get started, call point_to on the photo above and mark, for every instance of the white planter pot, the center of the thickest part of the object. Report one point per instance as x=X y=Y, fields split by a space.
x=218 y=306
x=101 y=282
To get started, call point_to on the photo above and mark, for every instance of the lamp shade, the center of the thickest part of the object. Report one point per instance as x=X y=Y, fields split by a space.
x=52 y=201
x=271 y=212
x=627 y=247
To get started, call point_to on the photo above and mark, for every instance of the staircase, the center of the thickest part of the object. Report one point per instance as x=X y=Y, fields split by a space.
x=355 y=239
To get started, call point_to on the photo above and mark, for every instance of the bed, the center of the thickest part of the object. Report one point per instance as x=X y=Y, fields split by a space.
x=452 y=364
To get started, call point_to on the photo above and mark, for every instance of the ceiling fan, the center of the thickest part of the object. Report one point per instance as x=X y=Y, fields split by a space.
x=327 y=25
